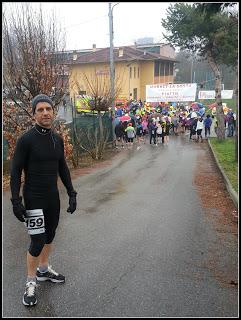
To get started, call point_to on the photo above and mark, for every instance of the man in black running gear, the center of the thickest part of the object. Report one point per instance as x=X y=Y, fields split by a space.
x=40 y=154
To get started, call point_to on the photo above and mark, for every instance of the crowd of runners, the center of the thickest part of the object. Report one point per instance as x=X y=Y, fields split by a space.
x=143 y=123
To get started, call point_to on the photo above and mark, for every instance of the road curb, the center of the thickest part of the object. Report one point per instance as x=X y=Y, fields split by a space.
x=229 y=187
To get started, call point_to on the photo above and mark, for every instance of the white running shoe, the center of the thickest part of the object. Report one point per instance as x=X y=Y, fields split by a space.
x=29 y=297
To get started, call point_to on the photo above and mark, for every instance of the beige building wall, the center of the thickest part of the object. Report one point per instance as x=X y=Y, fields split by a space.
x=98 y=73
x=146 y=77
x=77 y=74
x=134 y=80
x=125 y=83
x=167 y=51
x=122 y=79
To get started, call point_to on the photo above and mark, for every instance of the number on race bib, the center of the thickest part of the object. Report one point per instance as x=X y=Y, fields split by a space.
x=35 y=221
x=39 y=222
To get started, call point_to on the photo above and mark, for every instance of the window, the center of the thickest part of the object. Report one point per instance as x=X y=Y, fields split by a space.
x=130 y=72
x=162 y=64
x=138 y=72
x=81 y=93
x=166 y=68
x=163 y=68
x=171 y=69
x=167 y=71
x=134 y=72
x=156 y=69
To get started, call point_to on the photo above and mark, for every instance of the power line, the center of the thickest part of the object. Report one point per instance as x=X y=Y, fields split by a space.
x=87 y=21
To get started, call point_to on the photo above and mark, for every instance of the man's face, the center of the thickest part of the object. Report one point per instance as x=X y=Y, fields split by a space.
x=44 y=114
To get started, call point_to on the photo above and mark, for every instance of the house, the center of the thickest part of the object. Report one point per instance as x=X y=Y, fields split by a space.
x=164 y=49
x=135 y=67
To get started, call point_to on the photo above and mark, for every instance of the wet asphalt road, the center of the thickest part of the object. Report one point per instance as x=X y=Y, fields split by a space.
x=135 y=247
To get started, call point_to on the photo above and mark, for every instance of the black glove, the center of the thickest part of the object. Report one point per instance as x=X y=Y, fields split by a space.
x=72 y=201
x=18 y=209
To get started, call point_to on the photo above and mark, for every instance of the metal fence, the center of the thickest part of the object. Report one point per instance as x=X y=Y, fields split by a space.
x=85 y=122
x=82 y=124
x=91 y=122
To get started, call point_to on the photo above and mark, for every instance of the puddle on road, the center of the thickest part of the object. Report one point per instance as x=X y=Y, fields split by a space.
x=104 y=197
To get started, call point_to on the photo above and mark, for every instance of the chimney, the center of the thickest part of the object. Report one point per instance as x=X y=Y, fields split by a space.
x=74 y=55
x=94 y=47
x=121 y=51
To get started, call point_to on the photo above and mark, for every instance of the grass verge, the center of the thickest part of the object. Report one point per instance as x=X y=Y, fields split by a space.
x=225 y=152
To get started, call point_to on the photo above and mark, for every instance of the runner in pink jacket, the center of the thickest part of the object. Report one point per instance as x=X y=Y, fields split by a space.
x=145 y=128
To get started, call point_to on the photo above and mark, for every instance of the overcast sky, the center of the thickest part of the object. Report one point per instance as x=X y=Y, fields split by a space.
x=87 y=23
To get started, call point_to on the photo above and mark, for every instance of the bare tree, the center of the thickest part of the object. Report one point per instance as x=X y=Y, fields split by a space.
x=88 y=139
x=98 y=88
x=31 y=65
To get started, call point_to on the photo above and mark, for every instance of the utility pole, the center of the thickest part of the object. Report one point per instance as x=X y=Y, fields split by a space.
x=112 y=71
x=112 y=68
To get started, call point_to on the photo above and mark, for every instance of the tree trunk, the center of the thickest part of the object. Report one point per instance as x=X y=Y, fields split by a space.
x=101 y=142
x=218 y=86
x=101 y=126
x=237 y=113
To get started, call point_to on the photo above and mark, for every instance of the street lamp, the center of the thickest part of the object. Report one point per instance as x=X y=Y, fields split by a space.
x=112 y=70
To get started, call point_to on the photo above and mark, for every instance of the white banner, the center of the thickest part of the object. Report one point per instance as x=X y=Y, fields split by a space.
x=208 y=95
x=171 y=92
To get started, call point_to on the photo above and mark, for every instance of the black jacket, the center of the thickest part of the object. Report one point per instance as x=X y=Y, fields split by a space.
x=119 y=130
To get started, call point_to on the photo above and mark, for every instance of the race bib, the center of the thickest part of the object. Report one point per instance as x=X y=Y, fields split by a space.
x=34 y=221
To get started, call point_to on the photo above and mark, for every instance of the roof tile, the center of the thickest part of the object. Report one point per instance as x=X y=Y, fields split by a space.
x=129 y=54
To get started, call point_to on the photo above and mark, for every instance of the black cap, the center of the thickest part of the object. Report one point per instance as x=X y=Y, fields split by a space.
x=40 y=98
